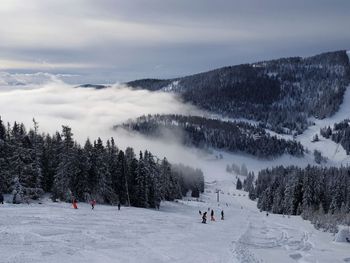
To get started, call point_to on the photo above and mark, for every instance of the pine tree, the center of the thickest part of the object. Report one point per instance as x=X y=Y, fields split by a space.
x=5 y=177
x=104 y=181
x=132 y=171
x=36 y=156
x=141 y=196
x=66 y=167
x=79 y=185
x=239 y=184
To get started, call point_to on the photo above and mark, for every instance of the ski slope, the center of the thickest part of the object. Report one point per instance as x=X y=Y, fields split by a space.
x=333 y=151
x=54 y=232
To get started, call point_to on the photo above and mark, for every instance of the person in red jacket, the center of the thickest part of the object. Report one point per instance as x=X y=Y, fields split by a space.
x=93 y=203
x=75 y=203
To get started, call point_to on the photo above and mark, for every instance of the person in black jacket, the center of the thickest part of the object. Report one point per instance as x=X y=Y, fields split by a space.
x=1 y=198
x=222 y=214
x=212 y=218
x=204 y=218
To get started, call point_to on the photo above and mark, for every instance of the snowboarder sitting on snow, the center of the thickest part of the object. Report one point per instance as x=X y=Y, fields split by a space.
x=222 y=214
x=75 y=203
x=212 y=215
x=93 y=203
x=1 y=198
x=204 y=218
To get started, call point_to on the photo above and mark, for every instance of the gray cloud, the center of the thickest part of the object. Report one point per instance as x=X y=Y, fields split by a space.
x=107 y=41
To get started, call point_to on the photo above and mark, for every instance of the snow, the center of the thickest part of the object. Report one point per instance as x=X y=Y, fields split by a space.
x=333 y=151
x=343 y=235
x=54 y=232
x=172 y=87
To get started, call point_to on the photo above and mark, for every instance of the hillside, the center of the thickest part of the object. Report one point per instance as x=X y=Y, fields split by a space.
x=212 y=133
x=280 y=93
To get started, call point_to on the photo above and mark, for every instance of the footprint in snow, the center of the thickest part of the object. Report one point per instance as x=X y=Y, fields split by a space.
x=296 y=256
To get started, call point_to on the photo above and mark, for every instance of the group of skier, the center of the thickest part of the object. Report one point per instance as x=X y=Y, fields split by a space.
x=92 y=203
x=212 y=218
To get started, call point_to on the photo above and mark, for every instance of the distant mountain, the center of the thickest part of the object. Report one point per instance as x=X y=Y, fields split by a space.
x=279 y=93
x=93 y=86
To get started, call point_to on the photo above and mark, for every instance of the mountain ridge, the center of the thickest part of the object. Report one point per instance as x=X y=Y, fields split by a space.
x=281 y=93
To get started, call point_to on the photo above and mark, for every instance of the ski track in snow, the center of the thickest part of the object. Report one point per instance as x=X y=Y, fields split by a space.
x=54 y=232
x=266 y=236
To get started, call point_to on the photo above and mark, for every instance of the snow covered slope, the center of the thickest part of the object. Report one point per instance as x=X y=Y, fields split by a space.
x=333 y=151
x=54 y=232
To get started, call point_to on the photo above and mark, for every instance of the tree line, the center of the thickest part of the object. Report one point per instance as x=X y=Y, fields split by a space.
x=226 y=135
x=339 y=134
x=319 y=194
x=32 y=164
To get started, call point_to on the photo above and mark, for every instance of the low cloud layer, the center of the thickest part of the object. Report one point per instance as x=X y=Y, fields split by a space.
x=90 y=112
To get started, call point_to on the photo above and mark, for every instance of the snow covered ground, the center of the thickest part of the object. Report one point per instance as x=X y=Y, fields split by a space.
x=54 y=232
x=333 y=151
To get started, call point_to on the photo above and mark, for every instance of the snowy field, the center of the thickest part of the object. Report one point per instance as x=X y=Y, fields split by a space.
x=54 y=232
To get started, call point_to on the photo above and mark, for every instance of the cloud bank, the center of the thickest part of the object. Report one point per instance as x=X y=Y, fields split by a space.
x=90 y=112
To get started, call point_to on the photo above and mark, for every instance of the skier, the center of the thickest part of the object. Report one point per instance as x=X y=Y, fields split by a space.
x=93 y=203
x=204 y=218
x=75 y=203
x=212 y=215
x=267 y=213
x=119 y=206
x=1 y=198
x=222 y=214
x=200 y=212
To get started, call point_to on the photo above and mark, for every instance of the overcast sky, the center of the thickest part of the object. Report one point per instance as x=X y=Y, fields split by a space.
x=104 y=41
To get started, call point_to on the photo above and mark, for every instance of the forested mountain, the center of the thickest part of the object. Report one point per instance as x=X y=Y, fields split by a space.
x=33 y=163
x=321 y=195
x=212 y=133
x=280 y=93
